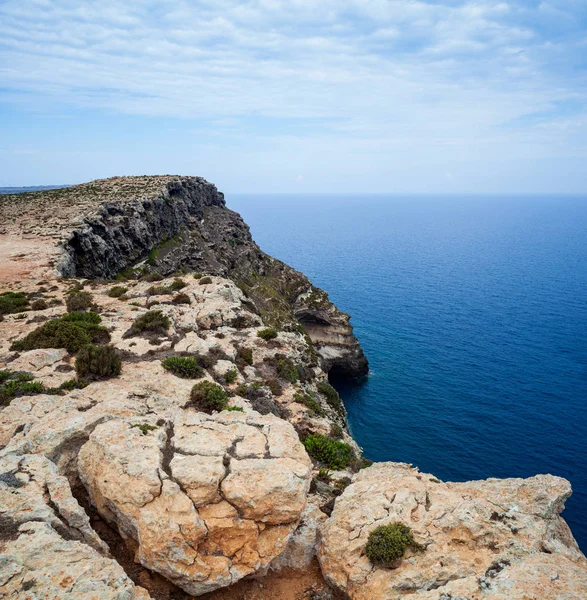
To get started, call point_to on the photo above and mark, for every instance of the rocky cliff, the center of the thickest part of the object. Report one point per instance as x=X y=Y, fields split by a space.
x=159 y=440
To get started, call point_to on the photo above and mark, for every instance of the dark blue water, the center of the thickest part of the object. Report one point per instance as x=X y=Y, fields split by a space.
x=473 y=314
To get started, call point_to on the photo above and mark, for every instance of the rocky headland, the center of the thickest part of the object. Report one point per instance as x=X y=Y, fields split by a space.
x=167 y=429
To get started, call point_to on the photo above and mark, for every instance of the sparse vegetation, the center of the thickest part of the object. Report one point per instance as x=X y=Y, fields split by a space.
x=336 y=431
x=331 y=395
x=177 y=284
x=117 y=291
x=332 y=453
x=181 y=299
x=13 y=302
x=205 y=280
x=311 y=403
x=158 y=290
x=208 y=397
x=388 y=543
x=144 y=427
x=286 y=369
x=269 y=333
x=98 y=362
x=77 y=301
x=235 y=409
x=185 y=367
x=39 y=304
x=245 y=355
x=274 y=386
x=230 y=376
x=153 y=321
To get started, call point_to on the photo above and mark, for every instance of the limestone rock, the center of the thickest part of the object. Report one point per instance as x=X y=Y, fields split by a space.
x=496 y=539
x=208 y=499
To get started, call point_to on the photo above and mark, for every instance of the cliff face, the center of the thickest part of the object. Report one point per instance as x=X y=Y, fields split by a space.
x=164 y=225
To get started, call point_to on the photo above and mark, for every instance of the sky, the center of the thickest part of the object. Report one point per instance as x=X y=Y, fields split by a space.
x=330 y=96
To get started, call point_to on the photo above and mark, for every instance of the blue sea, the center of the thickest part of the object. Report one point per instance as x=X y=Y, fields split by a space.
x=473 y=314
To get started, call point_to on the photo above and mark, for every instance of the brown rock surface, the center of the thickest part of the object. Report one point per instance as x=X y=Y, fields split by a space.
x=494 y=539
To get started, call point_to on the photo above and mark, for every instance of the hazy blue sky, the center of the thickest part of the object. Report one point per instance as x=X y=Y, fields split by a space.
x=297 y=95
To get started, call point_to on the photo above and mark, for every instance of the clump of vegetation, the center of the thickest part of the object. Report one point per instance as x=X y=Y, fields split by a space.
x=205 y=280
x=324 y=475
x=388 y=543
x=230 y=376
x=15 y=383
x=245 y=355
x=334 y=454
x=117 y=291
x=98 y=362
x=13 y=302
x=185 y=367
x=78 y=301
x=269 y=333
x=39 y=304
x=286 y=369
x=331 y=395
x=72 y=332
x=336 y=431
x=177 y=284
x=235 y=409
x=311 y=403
x=181 y=299
x=144 y=427
x=153 y=276
x=197 y=276
x=250 y=391
x=209 y=397
x=153 y=321
x=274 y=386
x=342 y=483
x=158 y=290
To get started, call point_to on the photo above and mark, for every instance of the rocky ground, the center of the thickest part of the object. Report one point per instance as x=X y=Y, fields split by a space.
x=117 y=480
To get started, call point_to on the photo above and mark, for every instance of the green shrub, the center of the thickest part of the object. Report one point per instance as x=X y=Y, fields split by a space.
x=117 y=291
x=185 y=367
x=206 y=361
x=230 y=376
x=235 y=409
x=181 y=299
x=39 y=304
x=269 y=333
x=177 y=284
x=15 y=383
x=387 y=543
x=333 y=453
x=154 y=321
x=205 y=280
x=158 y=290
x=63 y=333
x=98 y=362
x=197 y=276
x=286 y=369
x=78 y=301
x=331 y=395
x=144 y=427
x=13 y=302
x=324 y=475
x=245 y=355
x=208 y=397
x=274 y=386
x=336 y=432
x=310 y=403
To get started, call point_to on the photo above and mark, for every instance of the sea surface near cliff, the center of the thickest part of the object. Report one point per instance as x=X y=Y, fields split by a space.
x=473 y=314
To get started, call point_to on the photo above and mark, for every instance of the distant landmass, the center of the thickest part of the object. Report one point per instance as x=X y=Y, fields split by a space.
x=24 y=190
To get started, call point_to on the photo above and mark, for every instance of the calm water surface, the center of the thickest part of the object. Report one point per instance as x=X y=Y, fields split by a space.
x=473 y=314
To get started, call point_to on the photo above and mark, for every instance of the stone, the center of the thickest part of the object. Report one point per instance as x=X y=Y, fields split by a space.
x=492 y=539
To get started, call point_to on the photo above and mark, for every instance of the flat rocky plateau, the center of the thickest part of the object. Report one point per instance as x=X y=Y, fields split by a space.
x=125 y=486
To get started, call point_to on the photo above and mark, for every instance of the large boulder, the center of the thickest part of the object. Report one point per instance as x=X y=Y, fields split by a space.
x=205 y=499
x=47 y=547
x=494 y=539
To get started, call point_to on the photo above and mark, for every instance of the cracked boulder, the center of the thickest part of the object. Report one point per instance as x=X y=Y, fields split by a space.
x=205 y=499
x=494 y=539
x=47 y=547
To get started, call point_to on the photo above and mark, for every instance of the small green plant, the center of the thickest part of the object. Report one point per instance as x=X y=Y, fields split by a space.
x=144 y=427
x=78 y=301
x=245 y=355
x=98 y=362
x=208 y=397
x=342 y=483
x=39 y=304
x=158 y=290
x=197 y=276
x=13 y=302
x=177 y=284
x=387 y=544
x=230 y=376
x=153 y=321
x=185 y=367
x=181 y=299
x=17 y=383
x=269 y=333
x=311 y=403
x=71 y=332
x=334 y=454
x=117 y=291
x=205 y=280
x=331 y=395
x=324 y=475
x=286 y=369
x=235 y=409
x=274 y=386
